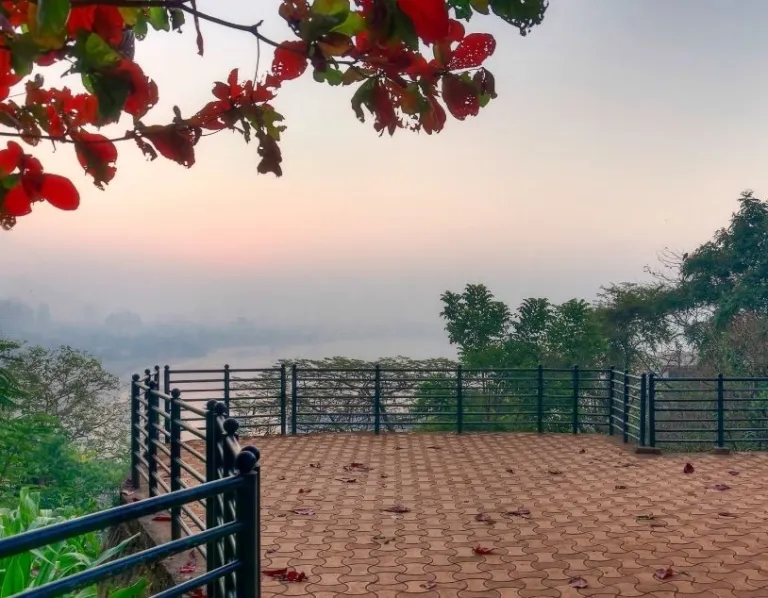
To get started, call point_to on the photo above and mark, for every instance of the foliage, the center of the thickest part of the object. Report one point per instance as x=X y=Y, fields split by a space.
x=38 y=454
x=10 y=391
x=410 y=60
x=75 y=389
x=39 y=567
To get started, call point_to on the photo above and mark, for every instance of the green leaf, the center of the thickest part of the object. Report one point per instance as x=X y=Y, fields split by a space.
x=334 y=76
x=14 y=581
x=97 y=54
x=177 y=19
x=132 y=591
x=330 y=7
x=523 y=15
x=24 y=50
x=140 y=28
x=353 y=25
x=480 y=6
x=158 y=18
x=111 y=92
x=362 y=98
x=52 y=16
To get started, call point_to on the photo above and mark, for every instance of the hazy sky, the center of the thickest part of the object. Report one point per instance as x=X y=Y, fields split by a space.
x=621 y=127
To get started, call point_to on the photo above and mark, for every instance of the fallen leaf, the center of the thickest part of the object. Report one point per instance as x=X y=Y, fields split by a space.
x=397 y=509
x=315 y=465
x=727 y=514
x=688 y=468
x=721 y=487
x=347 y=480
x=482 y=549
x=161 y=517
x=271 y=550
x=484 y=517
x=578 y=582
x=627 y=465
x=733 y=472
x=305 y=491
x=662 y=574
x=509 y=470
x=554 y=472
x=289 y=575
x=197 y=593
x=433 y=446
x=581 y=452
x=430 y=585
x=383 y=475
x=357 y=467
x=524 y=513
x=281 y=478
x=308 y=512
x=191 y=565
x=657 y=524
x=619 y=487
x=644 y=517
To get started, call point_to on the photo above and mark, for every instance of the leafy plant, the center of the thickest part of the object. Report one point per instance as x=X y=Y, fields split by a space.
x=410 y=60
x=39 y=567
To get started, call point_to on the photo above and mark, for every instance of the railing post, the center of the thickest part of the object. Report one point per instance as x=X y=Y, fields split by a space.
x=156 y=376
x=377 y=399
x=153 y=421
x=611 y=396
x=643 y=409
x=226 y=386
x=175 y=460
x=575 y=422
x=211 y=474
x=540 y=399
x=167 y=402
x=625 y=408
x=283 y=399
x=459 y=400
x=720 y=412
x=229 y=500
x=294 y=398
x=248 y=539
x=135 y=427
x=652 y=410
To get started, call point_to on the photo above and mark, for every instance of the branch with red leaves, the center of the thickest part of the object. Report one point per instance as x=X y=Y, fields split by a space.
x=410 y=60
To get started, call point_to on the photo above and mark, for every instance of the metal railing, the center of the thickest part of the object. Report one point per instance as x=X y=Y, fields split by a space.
x=238 y=575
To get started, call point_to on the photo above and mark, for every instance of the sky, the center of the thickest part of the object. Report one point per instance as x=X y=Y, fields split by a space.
x=621 y=128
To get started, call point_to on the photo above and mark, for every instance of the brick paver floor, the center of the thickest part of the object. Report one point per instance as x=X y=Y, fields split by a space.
x=551 y=511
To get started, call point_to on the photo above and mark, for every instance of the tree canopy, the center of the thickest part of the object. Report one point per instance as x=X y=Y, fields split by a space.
x=409 y=61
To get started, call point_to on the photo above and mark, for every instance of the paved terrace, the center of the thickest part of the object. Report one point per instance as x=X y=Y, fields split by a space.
x=555 y=511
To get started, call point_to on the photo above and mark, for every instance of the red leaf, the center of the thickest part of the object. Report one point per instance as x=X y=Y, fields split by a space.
x=176 y=143
x=688 y=468
x=161 y=517
x=307 y=512
x=143 y=94
x=429 y=585
x=357 y=467
x=347 y=480
x=733 y=472
x=578 y=582
x=485 y=518
x=190 y=566
x=460 y=97
x=524 y=513
x=10 y=158
x=619 y=487
x=289 y=575
x=305 y=491
x=429 y=17
x=721 y=487
x=16 y=202
x=59 y=192
x=662 y=574
x=290 y=61
x=316 y=465
x=97 y=155
x=482 y=549
x=472 y=51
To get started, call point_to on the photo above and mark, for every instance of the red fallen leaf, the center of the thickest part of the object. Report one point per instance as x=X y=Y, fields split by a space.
x=383 y=475
x=434 y=446
x=554 y=472
x=281 y=478
x=305 y=491
x=733 y=472
x=429 y=17
x=161 y=517
x=135 y=499
x=482 y=549
x=578 y=582
x=472 y=51
x=525 y=513
x=289 y=575
x=619 y=487
x=271 y=550
x=688 y=468
x=347 y=480
x=290 y=61
x=509 y=470
x=662 y=574
x=308 y=512
x=397 y=509
x=460 y=97
x=190 y=566
x=727 y=514
x=581 y=452
x=315 y=465
x=197 y=593
x=721 y=487
x=429 y=585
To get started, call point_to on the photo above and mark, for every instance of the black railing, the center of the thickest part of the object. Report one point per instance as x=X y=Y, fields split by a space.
x=240 y=571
